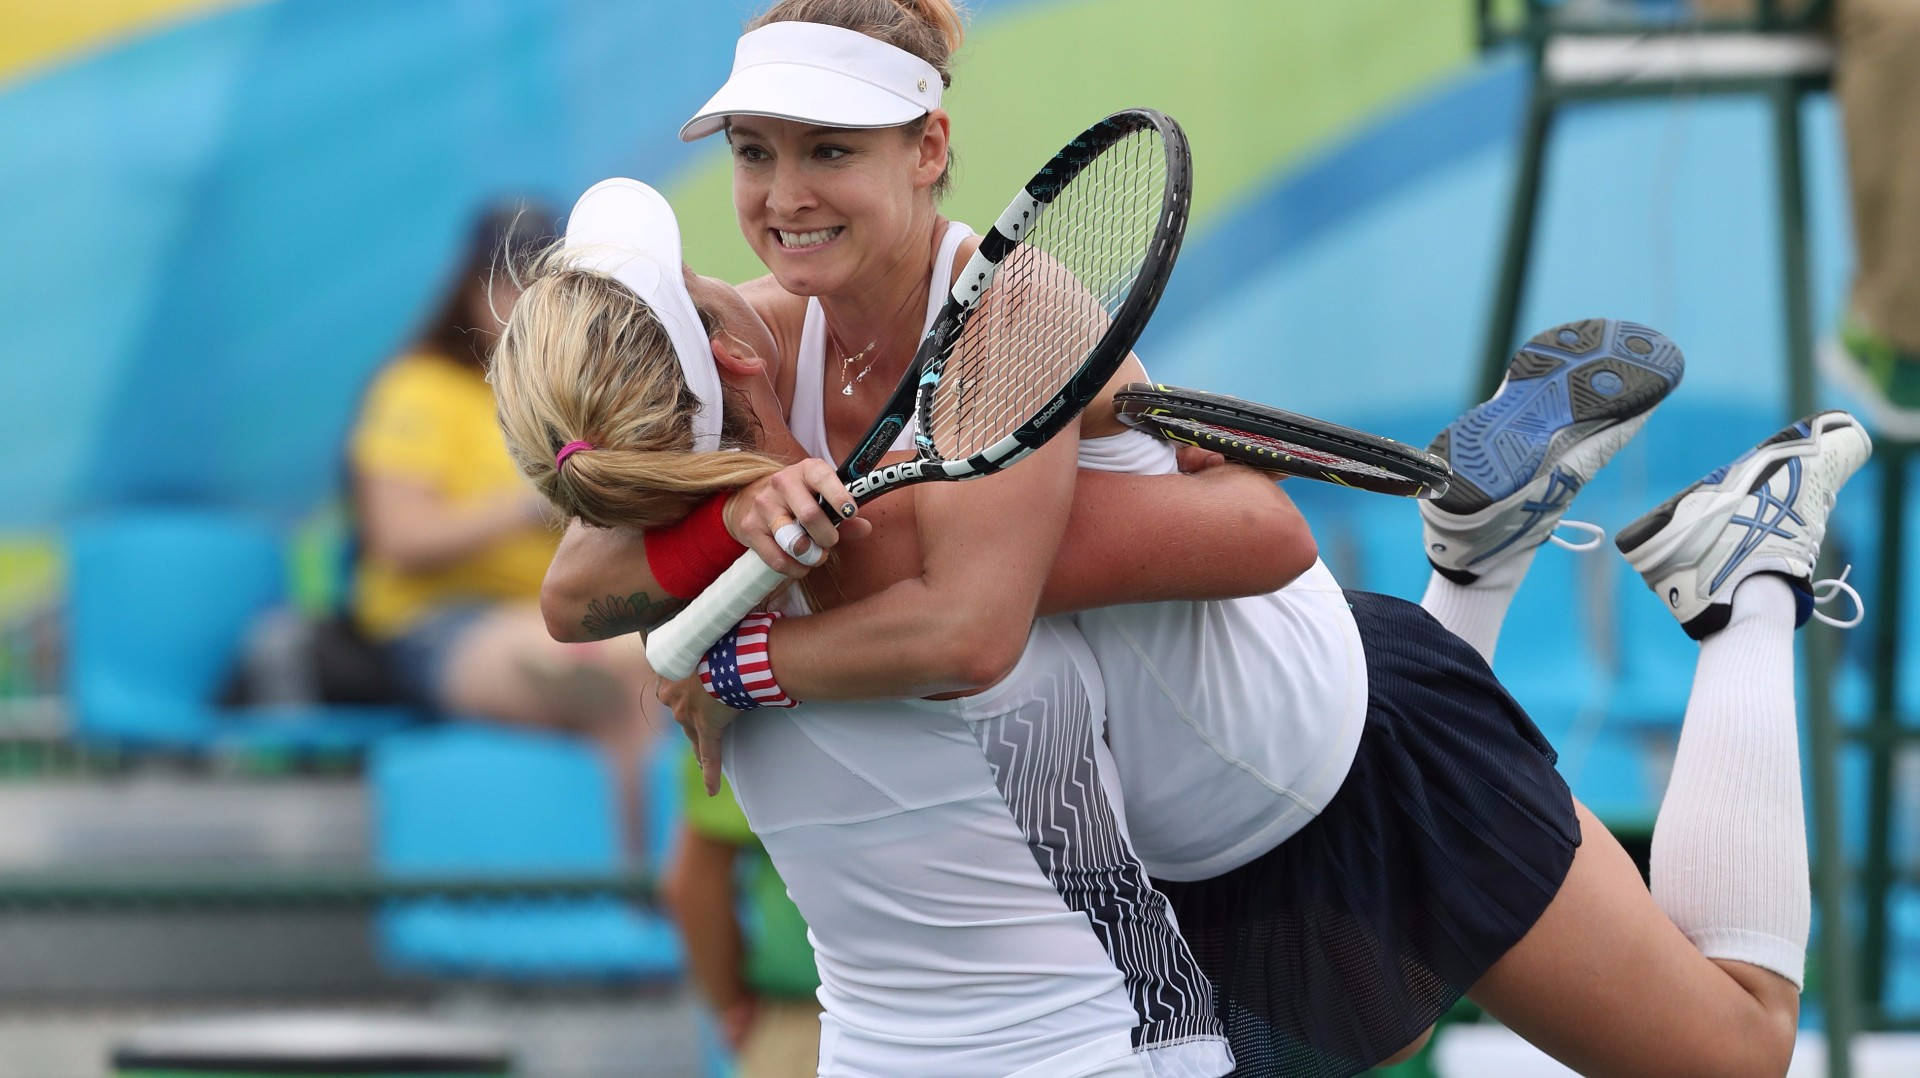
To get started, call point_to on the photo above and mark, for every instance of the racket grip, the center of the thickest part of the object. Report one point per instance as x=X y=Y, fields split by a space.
x=674 y=649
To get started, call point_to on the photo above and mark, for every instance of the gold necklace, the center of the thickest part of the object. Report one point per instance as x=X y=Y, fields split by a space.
x=847 y=379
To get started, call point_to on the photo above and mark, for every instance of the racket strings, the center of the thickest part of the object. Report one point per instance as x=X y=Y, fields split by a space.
x=1053 y=298
x=1197 y=432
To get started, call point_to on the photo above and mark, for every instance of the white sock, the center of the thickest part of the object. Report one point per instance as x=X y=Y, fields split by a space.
x=1729 y=862
x=1474 y=612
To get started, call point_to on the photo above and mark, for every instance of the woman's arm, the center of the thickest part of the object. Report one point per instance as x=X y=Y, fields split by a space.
x=961 y=623
x=599 y=585
x=408 y=525
x=1223 y=532
x=1220 y=533
x=700 y=893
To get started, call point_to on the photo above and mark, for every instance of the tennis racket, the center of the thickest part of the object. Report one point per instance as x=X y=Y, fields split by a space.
x=1277 y=441
x=1035 y=326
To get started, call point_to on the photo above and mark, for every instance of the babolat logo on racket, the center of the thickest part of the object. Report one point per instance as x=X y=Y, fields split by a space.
x=885 y=477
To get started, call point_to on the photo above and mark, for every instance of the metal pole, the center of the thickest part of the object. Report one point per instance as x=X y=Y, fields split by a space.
x=1882 y=740
x=1797 y=298
x=1830 y=876
x=1515 y=254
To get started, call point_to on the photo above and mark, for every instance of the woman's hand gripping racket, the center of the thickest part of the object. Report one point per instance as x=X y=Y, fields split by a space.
x=1276 y=441
x=1036 y=324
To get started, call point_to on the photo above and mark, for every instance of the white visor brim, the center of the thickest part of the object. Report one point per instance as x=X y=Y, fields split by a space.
x=825 y=75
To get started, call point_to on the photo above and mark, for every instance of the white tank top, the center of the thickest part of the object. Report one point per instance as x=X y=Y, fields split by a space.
x=970 y=895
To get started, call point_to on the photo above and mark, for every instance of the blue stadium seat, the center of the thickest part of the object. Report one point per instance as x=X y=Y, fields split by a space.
x=1552 y=654
x=665 y=803
x=159 y=603
x=484 y=801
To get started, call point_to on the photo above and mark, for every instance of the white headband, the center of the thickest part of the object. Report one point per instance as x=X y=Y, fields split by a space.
x=626 y=230
x=817 y=74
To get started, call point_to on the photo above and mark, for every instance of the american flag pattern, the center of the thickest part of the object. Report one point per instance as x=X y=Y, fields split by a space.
x=737 y=671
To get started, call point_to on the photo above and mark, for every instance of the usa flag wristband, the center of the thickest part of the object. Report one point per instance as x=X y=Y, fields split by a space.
x=737 y=671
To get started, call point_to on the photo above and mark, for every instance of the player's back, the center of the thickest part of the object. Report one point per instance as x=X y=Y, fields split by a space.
x=973 y=901
x=1232 y=723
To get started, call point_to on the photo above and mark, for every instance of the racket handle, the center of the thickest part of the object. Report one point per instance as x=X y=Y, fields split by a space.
x=674 y=649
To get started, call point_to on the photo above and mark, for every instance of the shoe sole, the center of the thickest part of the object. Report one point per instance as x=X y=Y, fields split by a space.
x=1562 y=386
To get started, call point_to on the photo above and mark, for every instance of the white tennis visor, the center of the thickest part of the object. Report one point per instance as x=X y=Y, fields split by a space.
x=815 y=74
x=627 y=230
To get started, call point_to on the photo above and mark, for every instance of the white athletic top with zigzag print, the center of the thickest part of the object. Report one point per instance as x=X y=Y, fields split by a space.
x=963 y=866
x=969 y=891
x=1231 y=723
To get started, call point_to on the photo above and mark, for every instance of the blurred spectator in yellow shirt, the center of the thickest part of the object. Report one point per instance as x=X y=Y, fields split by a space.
x=453 y=543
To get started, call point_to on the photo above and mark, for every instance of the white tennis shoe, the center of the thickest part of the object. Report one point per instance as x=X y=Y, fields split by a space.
x=1766 y=512
x=1572 y=397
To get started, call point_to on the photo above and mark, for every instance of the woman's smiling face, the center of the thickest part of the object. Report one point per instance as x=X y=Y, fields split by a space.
x=831 y=209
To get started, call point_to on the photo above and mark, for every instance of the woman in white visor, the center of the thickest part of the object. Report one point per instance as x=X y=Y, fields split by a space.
x=1336 y=926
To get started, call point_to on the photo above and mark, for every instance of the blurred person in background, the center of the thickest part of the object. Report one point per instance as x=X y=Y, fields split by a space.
x=757 y=974
x=452 y=543
x=1878 y=85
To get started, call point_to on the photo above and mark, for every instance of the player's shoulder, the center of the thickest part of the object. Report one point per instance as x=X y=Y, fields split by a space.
x=775 y=304
x=785 y=315
x=961 y=255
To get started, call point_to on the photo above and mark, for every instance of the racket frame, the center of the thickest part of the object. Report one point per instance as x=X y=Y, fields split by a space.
x=1419 y=474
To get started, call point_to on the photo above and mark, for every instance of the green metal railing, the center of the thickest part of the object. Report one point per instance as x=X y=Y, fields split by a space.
x=1884 y=736
x=75 y=892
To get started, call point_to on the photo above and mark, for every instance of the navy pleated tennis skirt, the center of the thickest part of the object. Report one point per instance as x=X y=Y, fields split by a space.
x=1447 y=840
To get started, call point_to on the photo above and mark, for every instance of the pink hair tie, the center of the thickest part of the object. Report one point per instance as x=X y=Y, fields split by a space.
x=568 y=450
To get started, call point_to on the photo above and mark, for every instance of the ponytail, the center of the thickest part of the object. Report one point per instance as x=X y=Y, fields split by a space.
x=584 y=360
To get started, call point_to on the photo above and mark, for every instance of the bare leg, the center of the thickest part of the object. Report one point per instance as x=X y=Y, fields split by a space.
x=507 y=668
x=1606 y=984
x=1616 y=980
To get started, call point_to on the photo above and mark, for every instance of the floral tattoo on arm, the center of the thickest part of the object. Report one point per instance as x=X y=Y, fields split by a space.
x=614 y=615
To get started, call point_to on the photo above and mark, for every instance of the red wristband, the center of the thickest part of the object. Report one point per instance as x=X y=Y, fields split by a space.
x=687 y=556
